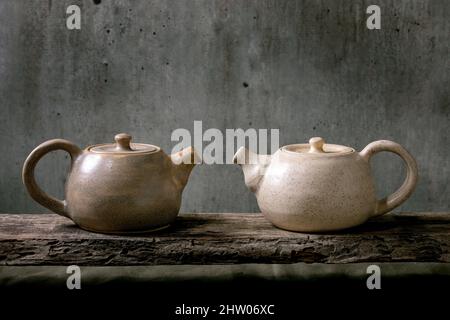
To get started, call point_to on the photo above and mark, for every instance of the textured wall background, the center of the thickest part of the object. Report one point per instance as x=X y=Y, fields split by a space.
x=148 y=67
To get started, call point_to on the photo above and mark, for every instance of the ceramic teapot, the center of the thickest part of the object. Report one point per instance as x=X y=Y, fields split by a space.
x=319 y=187
x=114 y=188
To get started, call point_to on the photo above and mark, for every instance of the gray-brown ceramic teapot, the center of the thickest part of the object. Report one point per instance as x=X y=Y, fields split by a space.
x=118 y=187
x=321 y=187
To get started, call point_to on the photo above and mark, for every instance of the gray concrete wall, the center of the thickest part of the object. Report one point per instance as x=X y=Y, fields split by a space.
x=149 y=67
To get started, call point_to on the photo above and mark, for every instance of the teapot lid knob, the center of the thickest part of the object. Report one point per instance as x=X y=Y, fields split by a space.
x=123 y=141
x=316 y=145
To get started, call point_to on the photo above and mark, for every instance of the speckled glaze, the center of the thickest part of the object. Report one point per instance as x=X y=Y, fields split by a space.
x=116 y=188
x=320 y=187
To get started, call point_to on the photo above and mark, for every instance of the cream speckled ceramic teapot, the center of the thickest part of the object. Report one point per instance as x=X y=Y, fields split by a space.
x=321 y=187
x=114 y=188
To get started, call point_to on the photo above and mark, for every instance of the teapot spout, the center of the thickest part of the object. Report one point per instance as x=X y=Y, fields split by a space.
x=253 y=165
x=183 y=162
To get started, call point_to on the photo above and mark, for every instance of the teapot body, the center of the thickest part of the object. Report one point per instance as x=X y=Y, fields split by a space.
x=310 y=194
x=114 y=193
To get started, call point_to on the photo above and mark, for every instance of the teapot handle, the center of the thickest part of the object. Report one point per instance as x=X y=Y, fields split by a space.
x=398 y=197
x=55 y=205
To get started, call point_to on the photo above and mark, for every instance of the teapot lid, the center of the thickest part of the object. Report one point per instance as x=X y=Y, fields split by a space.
x=317 y=146
x=123 y=145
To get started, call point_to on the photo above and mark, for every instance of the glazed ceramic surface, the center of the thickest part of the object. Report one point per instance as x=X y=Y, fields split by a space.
x=319 y=187
x=113 y=188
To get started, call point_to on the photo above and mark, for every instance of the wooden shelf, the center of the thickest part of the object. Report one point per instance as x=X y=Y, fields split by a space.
x=48 y=239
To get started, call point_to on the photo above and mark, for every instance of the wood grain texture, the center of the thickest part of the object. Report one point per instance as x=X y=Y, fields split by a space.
x=48 y=239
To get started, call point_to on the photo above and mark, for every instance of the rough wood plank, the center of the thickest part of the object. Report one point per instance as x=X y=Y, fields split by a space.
x=48 y=239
